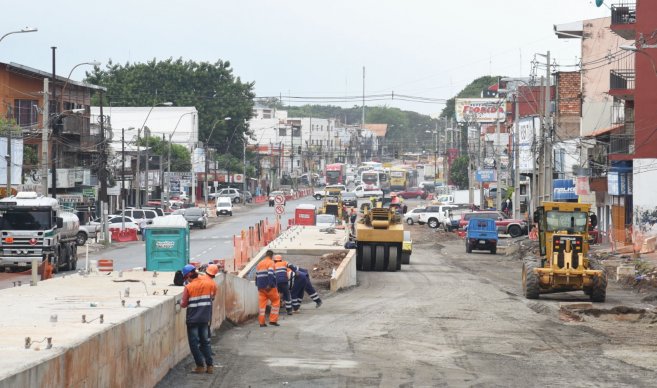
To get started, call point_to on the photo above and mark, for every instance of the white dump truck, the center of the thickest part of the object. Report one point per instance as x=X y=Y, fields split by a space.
x=34 y=227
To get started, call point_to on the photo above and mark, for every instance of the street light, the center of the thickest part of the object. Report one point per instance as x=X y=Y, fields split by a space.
x=24 y=30
x=138 y=194
x=68 y=78
x=214 y=125
x=435 y=153
x=169 y=154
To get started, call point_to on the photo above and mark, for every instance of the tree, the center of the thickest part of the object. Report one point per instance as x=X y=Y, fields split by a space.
x=210 y=87
x=458 y=172
x=180 y=156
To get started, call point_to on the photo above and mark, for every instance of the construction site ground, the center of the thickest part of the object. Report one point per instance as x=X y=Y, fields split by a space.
x=447 y=319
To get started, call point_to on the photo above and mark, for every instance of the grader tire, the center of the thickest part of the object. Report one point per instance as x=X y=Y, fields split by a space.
x=530 y=281
x=599 y=289
x=366 y=264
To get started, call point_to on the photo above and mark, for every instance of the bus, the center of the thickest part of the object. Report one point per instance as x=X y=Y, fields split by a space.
x=336 y=174
x=367 y=166
x=370 y=180
x=398 y=179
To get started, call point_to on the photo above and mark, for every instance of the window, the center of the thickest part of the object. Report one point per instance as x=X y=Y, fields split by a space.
x=282 y=132
x=25 y=112
x=137 y=214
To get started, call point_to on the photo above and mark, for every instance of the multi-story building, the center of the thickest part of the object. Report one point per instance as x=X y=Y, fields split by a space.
x=633 y=174
x=73 y=147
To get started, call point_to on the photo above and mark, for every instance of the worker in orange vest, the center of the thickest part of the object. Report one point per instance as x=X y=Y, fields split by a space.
x=197 y=298
x=280 y=270
x=267 y=290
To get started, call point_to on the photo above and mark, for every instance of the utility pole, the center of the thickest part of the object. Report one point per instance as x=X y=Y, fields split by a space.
x=122 y=168
x=547 y=140
x=205 y=186
x=54 y=143
x=540 y=169
x=516 y=157
x=44 y=139
x=9 y=164
x=496 y=150
x=102 y=168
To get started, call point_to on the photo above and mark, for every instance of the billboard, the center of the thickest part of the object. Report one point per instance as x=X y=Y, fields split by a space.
x=528 y=133
x=486 y=176
x=480 y=110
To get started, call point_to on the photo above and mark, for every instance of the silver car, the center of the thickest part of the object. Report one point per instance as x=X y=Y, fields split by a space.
x=412 y=216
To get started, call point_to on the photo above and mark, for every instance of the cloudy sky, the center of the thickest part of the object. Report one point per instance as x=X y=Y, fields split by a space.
x=306 y=48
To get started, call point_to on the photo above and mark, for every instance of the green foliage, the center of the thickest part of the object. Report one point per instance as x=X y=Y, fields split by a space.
x=210 y=87
x=180 y=156
x=458 y=172
x=472 y=90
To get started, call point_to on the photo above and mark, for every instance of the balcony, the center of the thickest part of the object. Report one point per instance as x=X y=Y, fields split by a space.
x=623 y=18
x=621 y=83
x=621 y=144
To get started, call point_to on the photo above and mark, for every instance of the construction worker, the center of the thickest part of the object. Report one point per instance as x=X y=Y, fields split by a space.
x=280 y=270
x=267 y=290
x=197 y=298
x=300 y=280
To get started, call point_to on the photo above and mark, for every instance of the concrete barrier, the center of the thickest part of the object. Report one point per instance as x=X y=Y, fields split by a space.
x=136 y=343
x=346 y=274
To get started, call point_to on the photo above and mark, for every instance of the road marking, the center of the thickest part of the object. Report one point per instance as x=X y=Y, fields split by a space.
x=310 y=363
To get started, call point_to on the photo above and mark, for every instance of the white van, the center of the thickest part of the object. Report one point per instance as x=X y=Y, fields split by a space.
x=224 y=206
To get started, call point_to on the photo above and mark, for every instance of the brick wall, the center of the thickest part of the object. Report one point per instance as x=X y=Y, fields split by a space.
x=569 y=104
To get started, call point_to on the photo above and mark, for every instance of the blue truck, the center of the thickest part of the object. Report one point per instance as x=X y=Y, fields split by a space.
x=481 y=235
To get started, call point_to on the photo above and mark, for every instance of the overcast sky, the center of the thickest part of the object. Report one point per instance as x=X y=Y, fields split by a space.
x=428 y=48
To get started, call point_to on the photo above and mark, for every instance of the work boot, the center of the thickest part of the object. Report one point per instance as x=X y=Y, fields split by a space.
x=274 y=323
x=209 y=369
x=290 y=312
x=263 y=325
x=198 y=369
x=319 y=303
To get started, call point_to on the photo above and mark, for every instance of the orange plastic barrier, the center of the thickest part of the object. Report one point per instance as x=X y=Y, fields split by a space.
x=105 y=265
x=124 y=235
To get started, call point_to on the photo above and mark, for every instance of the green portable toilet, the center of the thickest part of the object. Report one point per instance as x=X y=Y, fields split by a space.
x=167 y=243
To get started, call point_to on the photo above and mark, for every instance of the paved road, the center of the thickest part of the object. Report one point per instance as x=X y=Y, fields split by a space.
x=206 y=244
x=448 y=319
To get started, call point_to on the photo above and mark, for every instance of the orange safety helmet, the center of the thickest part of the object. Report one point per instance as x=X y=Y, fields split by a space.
x=212 y=270
x=278 y=258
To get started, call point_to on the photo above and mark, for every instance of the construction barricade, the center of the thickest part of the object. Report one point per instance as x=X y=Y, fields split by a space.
x=124 y=235
x=105 y=265
x=251 y=240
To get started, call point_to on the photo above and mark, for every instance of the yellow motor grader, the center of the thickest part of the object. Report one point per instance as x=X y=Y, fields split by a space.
x=564 y=264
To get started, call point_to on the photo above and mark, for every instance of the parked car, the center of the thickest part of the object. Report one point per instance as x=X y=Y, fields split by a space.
x=86 y=232
x=349 y=199
x=142 y=217
x=178 y=195
x=196 y=216
x=412 y=216
x=233 y=194
x=511 y=226
x=326 y=221
x=481 y=235
x=116 y=222
x=413 y=192
x=273 y=195
x=248 y=197
x=224 y=206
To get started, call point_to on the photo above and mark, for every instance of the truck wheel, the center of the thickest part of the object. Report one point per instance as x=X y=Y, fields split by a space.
x=409 y=221
x=74 y=257
x=599 y=289
x=433 y=223
x=81 y=239
x=515 y=231
x=54 y=261
x=493 y=250
x=468 y=247
x=530 y=283
x=66 y=257
x=318 y=197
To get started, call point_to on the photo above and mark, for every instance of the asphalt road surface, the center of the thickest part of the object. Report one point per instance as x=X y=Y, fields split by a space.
x=448 y=319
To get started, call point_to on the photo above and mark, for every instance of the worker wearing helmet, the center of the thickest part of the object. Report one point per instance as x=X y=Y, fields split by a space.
x=267 y=290
x=197 y=298
x=280 y=270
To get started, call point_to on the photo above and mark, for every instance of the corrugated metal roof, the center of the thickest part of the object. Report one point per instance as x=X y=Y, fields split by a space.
x=16 y=67
x=378 y=129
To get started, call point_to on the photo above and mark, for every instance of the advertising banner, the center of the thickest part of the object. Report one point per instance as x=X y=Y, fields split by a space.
x=486 y=176
x=528 y=132
x=480 y=110
x=564 y=190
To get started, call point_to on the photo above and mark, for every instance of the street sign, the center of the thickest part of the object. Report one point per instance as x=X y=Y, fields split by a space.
x=279 y=199
x=280 y=209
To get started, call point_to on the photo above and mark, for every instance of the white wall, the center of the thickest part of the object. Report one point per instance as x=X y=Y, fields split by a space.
x=645 y=206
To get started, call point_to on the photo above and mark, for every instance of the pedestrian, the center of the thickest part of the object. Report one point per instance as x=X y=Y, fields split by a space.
x=197 y=298
x=267 y=290
x=280 y=270
x=267 y=190
x=352 y=219
x=300 y=280
x=211 y=271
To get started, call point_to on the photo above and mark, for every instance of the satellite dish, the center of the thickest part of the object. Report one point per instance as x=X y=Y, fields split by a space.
x=598 y=3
